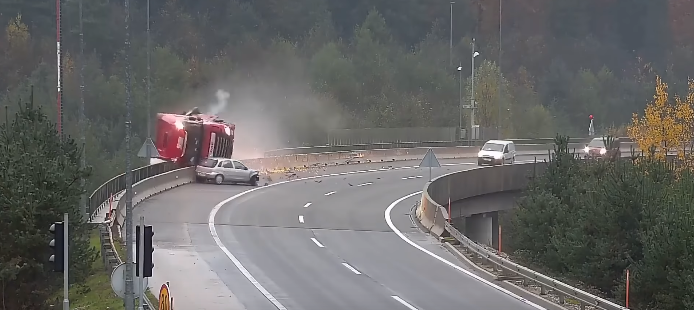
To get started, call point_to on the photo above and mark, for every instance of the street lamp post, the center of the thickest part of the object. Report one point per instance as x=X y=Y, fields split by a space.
x=473 y=106
x=460 y=101
x=450 y=46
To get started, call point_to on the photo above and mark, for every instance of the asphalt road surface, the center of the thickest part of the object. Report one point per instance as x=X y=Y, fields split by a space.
x=336 y=241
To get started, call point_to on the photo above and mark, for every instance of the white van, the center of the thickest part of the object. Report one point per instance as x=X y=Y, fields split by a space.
x=497 y=152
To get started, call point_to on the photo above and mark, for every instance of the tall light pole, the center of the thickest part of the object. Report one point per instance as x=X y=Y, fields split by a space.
x=83 y=162
x=149 y=107
x=129 y=272
x=460 y=101
x=473 y=106
x=498 y=119
x=450 y=47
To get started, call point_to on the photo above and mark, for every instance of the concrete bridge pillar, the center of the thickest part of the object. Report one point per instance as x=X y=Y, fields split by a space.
x=483 y=228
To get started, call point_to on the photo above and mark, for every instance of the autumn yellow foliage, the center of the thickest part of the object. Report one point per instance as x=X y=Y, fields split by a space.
x=666 y=125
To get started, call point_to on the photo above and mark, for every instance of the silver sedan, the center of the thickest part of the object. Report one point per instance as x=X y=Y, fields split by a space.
x=225 y=170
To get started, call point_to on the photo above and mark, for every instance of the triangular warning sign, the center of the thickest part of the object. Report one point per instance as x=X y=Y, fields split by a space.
x=430 y=160
x=148 y=150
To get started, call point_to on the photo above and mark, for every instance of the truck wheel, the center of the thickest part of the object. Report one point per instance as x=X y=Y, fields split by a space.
x=219 y=179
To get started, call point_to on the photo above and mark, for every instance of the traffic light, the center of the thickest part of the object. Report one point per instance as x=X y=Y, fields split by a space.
x=58 y=246
x=149 y=250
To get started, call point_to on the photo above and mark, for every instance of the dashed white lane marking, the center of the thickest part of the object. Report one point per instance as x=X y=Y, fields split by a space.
x=237 y=263
x=402 y=236
x=301 y=219
x=365 y=184
x=320 y=245
x=307 y=204
x=412 y=177
x=329 y=193
x=404 y=303
x=351 y=268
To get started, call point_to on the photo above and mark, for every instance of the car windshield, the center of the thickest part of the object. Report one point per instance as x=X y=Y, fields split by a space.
x=496 y=147
x=209 y=163
x=597 y=142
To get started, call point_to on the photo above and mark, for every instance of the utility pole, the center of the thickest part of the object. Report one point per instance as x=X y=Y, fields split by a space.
x=472 y=92
x=149 y=107
x=82 y=121
x=460 y=101
x=129 y=293
x=450 y=48
x=66 y=263
x=141 y=260
x=498 y=121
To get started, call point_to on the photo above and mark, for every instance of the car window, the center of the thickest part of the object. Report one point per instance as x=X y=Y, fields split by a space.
x=239 y=165
x=227 y=164
x=208 y=163
x=597 y=142
x=496 y=147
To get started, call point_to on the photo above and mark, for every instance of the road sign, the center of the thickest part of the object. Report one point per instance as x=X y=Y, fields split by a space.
x=165 y=299
x=118 y=281
x=148 y=146
x=430 y=160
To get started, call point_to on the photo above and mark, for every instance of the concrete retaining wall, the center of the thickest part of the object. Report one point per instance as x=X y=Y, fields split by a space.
x=432 y=211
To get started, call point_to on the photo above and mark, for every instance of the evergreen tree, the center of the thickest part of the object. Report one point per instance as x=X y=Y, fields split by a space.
x=39 y=181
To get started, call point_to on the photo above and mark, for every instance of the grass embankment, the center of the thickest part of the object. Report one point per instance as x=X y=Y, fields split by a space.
x=96 y=292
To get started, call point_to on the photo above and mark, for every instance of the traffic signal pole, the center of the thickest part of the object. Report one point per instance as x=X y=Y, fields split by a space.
x=141 y=265
x=59 y=259
x=66 y=274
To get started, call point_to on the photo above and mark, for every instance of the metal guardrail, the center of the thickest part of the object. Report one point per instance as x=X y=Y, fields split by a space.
x=147 y=303
x=117 y=184
x=433 y=215
x=405 y=145
x=543 y=281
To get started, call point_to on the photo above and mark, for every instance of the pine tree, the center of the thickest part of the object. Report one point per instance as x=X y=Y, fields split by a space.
x=39 y=181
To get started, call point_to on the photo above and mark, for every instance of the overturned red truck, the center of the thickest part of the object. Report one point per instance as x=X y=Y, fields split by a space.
x=189 y=137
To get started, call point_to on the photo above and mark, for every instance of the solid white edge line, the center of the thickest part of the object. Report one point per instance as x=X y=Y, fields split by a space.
x=441 y=259
x=404 y=303
x=320 y=245
x=301 y=219
x=351 y=268
x=237 y=263
x=307 y=204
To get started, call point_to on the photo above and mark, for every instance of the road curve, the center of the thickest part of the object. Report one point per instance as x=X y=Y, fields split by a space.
x=320 y=243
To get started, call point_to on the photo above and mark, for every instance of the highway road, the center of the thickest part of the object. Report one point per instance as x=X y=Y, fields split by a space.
x=339 y=241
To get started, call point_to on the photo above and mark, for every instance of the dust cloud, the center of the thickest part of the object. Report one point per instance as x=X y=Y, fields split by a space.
x=269 y=113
